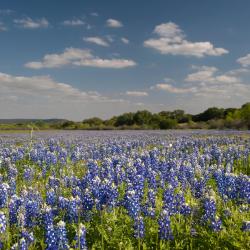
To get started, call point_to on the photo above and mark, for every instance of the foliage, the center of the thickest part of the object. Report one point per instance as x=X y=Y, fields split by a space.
x=212 y=118
x=125 y=190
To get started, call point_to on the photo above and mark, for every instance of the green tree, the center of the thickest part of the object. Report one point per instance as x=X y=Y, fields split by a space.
x=167 y=123
x=142 y=117
x=125 y=119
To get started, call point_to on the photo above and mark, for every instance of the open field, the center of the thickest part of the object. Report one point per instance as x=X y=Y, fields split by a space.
x=125 y=190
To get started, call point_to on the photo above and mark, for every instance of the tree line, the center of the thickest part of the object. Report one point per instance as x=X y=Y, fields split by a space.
x=212 y=118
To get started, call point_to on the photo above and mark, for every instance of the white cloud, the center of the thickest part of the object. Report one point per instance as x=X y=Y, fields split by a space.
x=244 y=61
x=125 y=40
x=41 y=86
x=44 y=97
x=171 y=40
x=209 y=81
x=113 y=23
x=206 y=74
x=3 y=27
x=79 y=57
x=96 y=40
x=136 y=93
x=171 y=89
x=74 y=22
x=28 y=23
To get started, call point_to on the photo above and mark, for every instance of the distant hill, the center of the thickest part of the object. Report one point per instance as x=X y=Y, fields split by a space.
x=27 y=121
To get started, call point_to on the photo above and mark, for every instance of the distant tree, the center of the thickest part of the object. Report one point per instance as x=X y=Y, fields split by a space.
x=166 y=114
x=110 y=122
x=93 y=122
x=167 y=123
x=142 y=117
x=155 y=121
x=68 y=124
x=209 y=114
x=125 y=119
x=245 y=114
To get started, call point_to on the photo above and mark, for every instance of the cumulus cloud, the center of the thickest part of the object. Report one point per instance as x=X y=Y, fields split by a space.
x=113 y=23
x=172 y=89
x=74 y=22
x=206 y=74
x=44 y=97
x=203 y=73
x=125 y=40
x=79 y=57
x=171 y=40
x=244 y=61
x=41 y=86
x=96 y=40
x=209 y=83
x=28 y=23
x=136 y=93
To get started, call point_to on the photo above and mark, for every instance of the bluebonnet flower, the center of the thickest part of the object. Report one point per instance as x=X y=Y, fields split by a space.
x=22 y=245
x=48 y=215
x=32 y=210
x=21 y=217
x=3 y=222
x=14 y=205
x=51 y=197
x=148 y=210
x=185 y=209
x=80 y=238
x=29 y=237
x=216 y=224
x=209 y=206
x=63 y=203
x=169 y=200
x=28 y=174
x=165 y=231
x=61 y=235
x=50 y=237
x=131 y=203
x=87 y=200
x=245 y=226
x=3 y=194
x=73 y=209
x=54 y=182
x=139 y=228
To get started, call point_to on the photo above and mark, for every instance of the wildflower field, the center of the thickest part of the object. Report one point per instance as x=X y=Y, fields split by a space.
x=125 y=190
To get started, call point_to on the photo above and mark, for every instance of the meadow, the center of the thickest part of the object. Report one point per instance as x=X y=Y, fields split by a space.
x=125 y=190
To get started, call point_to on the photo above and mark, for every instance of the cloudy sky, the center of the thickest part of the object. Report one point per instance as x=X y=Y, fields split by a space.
x=78 y=59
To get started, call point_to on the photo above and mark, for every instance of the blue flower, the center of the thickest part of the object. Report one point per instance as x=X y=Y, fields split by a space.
x=139 y=228
x=80 y=238
x=61 y=234
x=3 y=222
x=165 y=231
x=245 y=226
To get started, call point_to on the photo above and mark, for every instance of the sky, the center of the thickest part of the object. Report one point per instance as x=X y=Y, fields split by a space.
x=85 y=58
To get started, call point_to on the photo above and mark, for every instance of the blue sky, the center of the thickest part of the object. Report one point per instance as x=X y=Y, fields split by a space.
x=77 y=59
